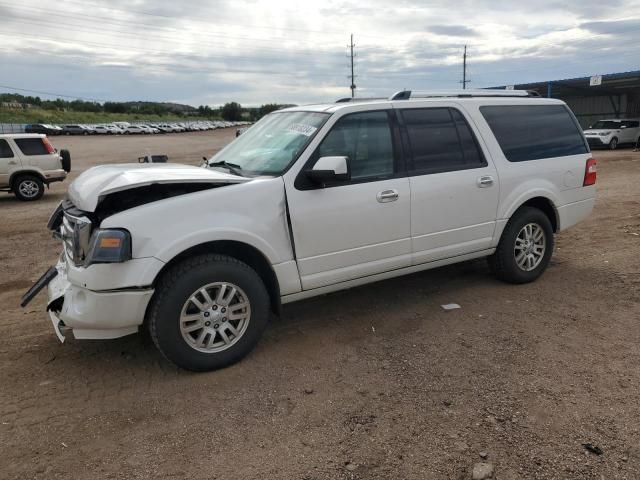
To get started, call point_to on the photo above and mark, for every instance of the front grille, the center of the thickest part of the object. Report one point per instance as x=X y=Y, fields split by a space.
x=76 y=233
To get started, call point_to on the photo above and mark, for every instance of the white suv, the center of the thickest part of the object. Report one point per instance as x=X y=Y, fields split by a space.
x=28 y=162
x=310 y=200
x=614 y=132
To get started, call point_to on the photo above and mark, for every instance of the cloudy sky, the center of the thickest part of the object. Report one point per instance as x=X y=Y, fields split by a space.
x=288 y=51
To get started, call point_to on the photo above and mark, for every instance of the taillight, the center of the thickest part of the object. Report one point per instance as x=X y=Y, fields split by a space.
x=48 y=146
x=590 y=173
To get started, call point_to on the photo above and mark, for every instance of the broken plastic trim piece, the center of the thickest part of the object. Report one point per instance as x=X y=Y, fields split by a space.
x=58 y=325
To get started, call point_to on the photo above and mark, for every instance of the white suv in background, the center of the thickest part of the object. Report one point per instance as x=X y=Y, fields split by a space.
x=614 y=132
x=28 y=162
x=311 y=200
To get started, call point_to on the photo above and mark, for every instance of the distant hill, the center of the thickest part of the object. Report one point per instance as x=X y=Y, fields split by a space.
x=168 y=106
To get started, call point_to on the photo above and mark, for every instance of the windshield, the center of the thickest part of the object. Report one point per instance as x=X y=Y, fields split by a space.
x=600 y=124
x=269 y=146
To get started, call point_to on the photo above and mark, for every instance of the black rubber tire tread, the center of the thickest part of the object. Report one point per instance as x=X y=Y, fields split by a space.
x=16 y=189
x=65 y=155
x=168 y=301
x=503 y=263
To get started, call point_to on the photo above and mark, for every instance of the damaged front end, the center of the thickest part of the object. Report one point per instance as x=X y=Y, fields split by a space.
x=106 y=301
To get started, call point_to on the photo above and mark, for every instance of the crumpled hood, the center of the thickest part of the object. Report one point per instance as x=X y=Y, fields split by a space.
x=86 y=191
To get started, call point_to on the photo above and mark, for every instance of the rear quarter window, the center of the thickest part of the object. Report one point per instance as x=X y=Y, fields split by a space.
x=31 y=146
x=5 y=149
x=534 y=132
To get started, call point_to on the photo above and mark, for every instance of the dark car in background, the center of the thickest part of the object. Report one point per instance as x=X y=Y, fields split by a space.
x=42 y=128
x=77 y=130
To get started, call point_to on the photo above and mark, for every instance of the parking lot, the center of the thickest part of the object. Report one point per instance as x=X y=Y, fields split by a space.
x=378 y=382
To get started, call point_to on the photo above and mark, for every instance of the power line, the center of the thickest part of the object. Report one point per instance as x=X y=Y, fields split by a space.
x=94 y=31
x=173 y=17
x=40 y=92
x=129 y=23
x=162 y=52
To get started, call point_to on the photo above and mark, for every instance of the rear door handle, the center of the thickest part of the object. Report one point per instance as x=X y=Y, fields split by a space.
x=485 y=181
x=387 y=196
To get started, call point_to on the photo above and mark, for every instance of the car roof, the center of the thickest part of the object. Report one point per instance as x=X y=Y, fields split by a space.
x=22 y=135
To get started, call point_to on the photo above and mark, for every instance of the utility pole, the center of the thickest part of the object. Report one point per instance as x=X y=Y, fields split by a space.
x=464 y=69
x=353 y=77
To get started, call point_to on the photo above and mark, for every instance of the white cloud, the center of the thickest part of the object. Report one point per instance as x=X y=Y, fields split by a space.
x=295 y=52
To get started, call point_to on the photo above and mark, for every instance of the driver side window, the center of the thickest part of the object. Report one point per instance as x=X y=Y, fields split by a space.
x=365 y=138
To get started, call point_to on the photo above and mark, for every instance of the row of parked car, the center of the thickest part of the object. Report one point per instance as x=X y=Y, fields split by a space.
x=126 y=128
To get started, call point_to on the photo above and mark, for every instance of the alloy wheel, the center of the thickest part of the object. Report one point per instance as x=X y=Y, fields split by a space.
x=215 y=317
x=29 y=188
x=530 y=247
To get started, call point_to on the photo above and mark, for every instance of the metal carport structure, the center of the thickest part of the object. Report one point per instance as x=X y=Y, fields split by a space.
x=614 y=95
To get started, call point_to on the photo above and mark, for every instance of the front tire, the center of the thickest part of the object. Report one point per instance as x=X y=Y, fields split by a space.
x=613 y=144
x=28 y=188
x=208 y=312
x=525 y=247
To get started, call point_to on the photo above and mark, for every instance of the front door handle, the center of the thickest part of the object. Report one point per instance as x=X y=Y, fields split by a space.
x=485 y=181
x=387 y=196
x=13 y=162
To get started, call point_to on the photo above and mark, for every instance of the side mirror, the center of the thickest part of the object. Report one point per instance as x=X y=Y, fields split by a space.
x=623 y=126
x=330 y=169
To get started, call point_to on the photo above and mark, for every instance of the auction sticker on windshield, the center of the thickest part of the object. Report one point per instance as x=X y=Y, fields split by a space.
x=306 y=130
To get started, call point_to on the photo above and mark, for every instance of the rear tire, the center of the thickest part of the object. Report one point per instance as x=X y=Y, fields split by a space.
x=195 y=326
x=525 y=247
x=28 y=188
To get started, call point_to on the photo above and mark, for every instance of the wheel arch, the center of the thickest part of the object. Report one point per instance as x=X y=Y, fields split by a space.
x=547 y=207
x=28 y=171
x=241 y=251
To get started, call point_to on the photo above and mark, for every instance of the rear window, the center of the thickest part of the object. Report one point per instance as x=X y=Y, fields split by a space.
x=5 y=149
x=31 y=146
x=534 y=132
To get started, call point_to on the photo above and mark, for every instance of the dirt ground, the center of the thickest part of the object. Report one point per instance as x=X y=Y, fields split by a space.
x=378 y=382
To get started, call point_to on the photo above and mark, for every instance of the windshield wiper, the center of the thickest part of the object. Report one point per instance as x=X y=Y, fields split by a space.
x=232 y=167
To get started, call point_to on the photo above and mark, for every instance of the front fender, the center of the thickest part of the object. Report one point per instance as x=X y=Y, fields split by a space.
x=253 y=213
x=218 y=234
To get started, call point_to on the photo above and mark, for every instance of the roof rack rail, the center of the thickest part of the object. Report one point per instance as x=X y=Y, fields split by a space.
x=359 y=99
x=409 y=94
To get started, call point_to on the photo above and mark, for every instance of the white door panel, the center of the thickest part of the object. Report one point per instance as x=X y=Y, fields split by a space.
x=628 y=135
x=9 y=160
x=345 y=232
x=452 y=213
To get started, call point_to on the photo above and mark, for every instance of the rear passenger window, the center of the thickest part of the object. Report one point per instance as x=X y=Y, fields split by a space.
x=366 y=139
x=440 y=140
x=31 y=146
x=532 y=132
x=631 y=124
x=5 y=149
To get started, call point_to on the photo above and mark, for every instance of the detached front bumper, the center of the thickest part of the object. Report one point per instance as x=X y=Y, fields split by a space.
x=91 y=314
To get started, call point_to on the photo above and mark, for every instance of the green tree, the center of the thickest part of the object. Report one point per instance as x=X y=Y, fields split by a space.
x=232 y=111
